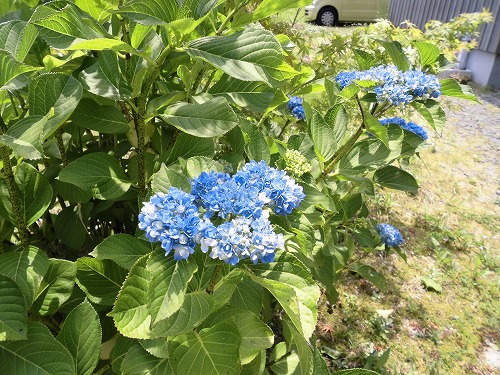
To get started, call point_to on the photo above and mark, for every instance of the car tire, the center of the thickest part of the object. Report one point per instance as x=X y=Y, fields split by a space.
x=327 y=16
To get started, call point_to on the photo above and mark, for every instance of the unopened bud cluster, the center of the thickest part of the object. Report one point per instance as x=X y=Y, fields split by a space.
x=296 y=163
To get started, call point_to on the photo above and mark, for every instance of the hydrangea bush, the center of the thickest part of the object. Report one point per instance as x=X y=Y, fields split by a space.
x=368 y=47
x=171 y=202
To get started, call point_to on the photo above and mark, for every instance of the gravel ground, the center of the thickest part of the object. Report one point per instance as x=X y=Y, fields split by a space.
x=476 y=128
x=483 y=118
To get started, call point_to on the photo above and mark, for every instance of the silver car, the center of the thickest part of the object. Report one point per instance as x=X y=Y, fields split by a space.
x=329 y=12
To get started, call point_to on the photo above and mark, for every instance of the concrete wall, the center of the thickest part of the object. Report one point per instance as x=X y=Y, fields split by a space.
x=485 y=68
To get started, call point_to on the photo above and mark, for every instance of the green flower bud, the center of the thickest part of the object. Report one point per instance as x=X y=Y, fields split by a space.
x=296 y=163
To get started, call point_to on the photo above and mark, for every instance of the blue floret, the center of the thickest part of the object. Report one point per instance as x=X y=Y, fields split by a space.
x=171 y=219
x=296 y=108
x=393 y=85
x=389 y=235
x=409 y=126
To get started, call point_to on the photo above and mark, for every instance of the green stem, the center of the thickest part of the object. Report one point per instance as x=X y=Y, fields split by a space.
x=14 y=197
x=213 y=280
x=381 y=110
x=192 y=90
x=261 y=121
x=139 y=114
x=288 y=122
x=126 y=39
x=342 y=151
x=103 y=369
x=60 y=146
x=209 y=80
x=13 y=103
x=229 y=17
x=141 y=145
x=224 y=23
x=22 y=103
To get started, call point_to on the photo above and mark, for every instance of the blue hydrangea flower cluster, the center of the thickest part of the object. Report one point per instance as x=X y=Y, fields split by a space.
x=173 y=220
x=389 y=235
x=239 y=204
x=393 y=85
x=246 y=238
x=296 y=108
x=410 y=126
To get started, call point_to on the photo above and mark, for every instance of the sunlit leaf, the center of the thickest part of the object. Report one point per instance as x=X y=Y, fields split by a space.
x=130 y=312
x=292 y=285
x=451 y=87
x=211 y=351
x=370 y=274
x=431 y=110
x=55 y=287
x=210 y=119
x=395 y=51
x=17 y=37
x=61 y=27
x=102 y=118
x=56 y=96
x=81 y=335
x=255 y=96
x=13 y=317
x=138 y=361
x=123 y=249
x=27 y=268
x=168 y=284
x=40 y=354
x=322 y=135
x=35 y=194
x=98 y=173
x=253 y=54
x=267 y=8
x=101 y=280
x=151 y=12
x=255 y=334
x=10 y=68
x=395 y=178
x=431 y=284
x=429 y=53
x=98 y=9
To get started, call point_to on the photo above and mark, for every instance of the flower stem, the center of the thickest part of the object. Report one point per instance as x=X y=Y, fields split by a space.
x=288 y=122
x=139 y=115
x=60 y=146
x=14 y=197
x=103 y=369
x=346 y=147
x=229 y=17
x=13 y=191
x=342 y=151
x=213 y=280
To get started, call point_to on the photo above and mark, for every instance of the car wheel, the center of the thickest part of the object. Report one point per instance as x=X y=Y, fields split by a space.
x=327 y=16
